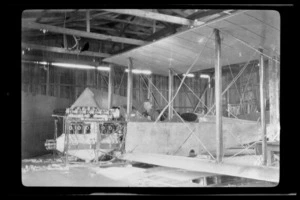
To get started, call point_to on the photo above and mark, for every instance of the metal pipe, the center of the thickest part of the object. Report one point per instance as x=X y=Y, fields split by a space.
x=218 y=95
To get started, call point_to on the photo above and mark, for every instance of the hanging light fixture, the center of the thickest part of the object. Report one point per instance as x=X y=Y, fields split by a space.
x=189 y=75
x=138 y=71
x=76 y=66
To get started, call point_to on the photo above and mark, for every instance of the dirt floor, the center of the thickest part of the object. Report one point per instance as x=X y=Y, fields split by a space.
x=52 y=171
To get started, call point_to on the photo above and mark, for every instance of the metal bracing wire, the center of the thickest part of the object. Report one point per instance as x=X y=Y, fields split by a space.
x=197 y=96
x=103 y=79
x=191 y=131
x=208 y=108
x=200 y=98
x=233 y=78
x=243 y=150
x=248 y=45
x=187 y=72
x=261 y=21
x=121 y=81
x=232 y=82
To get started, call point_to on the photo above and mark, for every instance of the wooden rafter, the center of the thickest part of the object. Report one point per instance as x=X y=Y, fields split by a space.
x=111 y=29
x=64 y=51
x=127 y=21
x=84 y=34
x=179 y=12
x=154 y=16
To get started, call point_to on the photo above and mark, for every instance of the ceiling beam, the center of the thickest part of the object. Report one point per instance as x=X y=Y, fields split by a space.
x=60 y=60
x=64 y=51
x=154 y=16
x=179 y=12
x=197 y=15
x=112 y=29
x=172 y=29
x=84 y=34
x=127 y=21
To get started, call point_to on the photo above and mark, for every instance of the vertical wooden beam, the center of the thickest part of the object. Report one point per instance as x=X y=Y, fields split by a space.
x=170 y=109
x=48 y=80
x=66 y=146
x=58 y=83
x=88 y=26
x=110 y=86
x=218 y=95
x=262 y=107
x=274 y=78
x=55 y=128
x=149 y=94
x=154 y=26
x=129 y=87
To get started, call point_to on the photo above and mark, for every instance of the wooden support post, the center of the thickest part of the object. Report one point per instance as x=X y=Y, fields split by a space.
x=149 y=95
x=129 y=87
x=88 y=27
x=55 y=128
x=218 y=94
x=274 y=78
x=58 y=83
x=262 y=108
x=48 y=80
x=97 y=145
x=110 y=86
x=170 y=109
x=66 y=147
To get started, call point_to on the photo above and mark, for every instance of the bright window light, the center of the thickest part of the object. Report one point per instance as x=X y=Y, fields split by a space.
x=77 y=66
x=101 y=68
x=138 y=71
x=189 y=75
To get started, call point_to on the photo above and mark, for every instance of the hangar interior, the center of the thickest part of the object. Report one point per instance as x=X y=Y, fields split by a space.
x=150 y=97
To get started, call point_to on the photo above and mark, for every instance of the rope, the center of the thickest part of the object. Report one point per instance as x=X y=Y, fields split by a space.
x=189 y=69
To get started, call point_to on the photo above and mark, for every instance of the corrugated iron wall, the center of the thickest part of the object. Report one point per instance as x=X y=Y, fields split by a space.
x=69 y=83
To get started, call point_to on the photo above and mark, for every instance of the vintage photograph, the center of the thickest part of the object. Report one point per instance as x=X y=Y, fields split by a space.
x=164 y=97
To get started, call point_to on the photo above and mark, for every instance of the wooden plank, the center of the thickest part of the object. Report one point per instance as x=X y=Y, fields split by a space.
x=84 y=34
x=154 y=16
x=262 y=107
x=218 y=96
x=64 y=51
x=202 y=165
